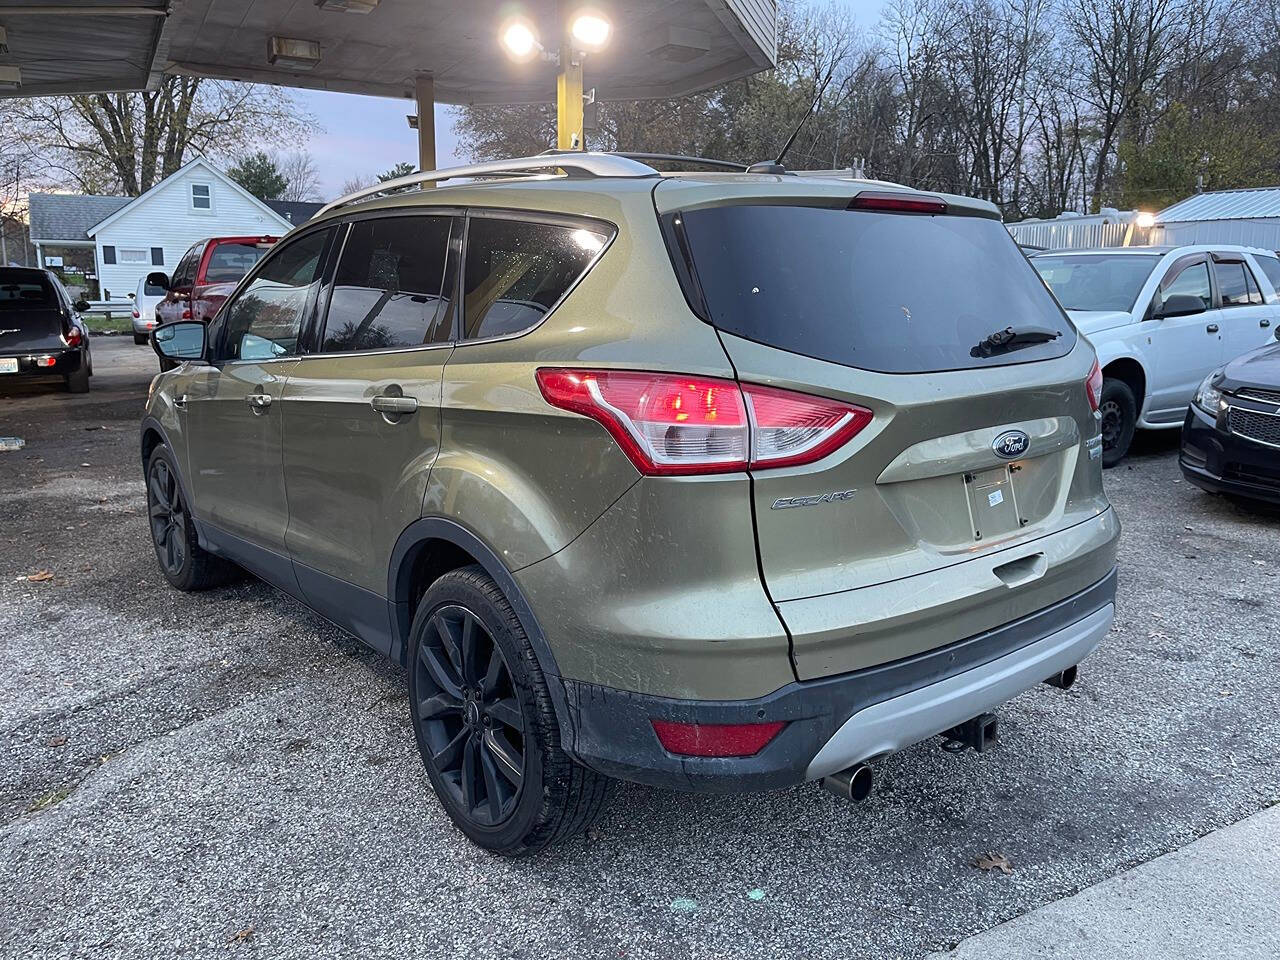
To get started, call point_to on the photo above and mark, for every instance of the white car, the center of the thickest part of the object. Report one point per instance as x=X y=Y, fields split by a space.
x=145 y=299
x=1161 y=319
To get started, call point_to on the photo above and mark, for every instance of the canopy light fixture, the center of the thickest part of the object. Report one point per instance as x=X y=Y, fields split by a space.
x=591 y=29
x=1145 y=219
x=10 y=78
x=520 y=39
x=348 y=6
x=292 y=54
x=588 y=30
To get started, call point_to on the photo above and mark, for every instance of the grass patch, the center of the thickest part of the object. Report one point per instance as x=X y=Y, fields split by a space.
x=50 y=799
x=109 y=323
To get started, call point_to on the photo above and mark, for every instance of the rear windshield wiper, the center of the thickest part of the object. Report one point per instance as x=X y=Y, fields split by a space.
x=1011 y=339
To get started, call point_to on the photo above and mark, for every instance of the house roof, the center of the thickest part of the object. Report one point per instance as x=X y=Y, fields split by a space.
x=1250 y=204
x=296 y=212
x=68 y=216
x=195 y=162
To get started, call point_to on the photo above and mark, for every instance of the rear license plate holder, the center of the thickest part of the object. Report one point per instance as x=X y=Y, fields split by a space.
x=8 y=364
x=993 y=507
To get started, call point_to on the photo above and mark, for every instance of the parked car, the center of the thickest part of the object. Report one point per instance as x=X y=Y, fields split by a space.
x=205 y=275
x=1161 y=318
x=145 y=299
x=688 y=480
x=41 y=333
x=1231 y=436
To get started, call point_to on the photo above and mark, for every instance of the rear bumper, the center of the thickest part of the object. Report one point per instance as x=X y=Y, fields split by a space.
x=1221 y=462
x=836 y=722
x=66 y=360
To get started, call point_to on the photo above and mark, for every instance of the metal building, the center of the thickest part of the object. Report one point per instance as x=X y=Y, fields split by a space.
x=1248 y=217
x=1109 y=228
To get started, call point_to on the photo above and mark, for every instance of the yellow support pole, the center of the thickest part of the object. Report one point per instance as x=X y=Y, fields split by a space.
x=569 y=98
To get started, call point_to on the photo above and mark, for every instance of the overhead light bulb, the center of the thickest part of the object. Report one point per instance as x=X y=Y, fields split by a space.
x=591 y=29
x=519 y=40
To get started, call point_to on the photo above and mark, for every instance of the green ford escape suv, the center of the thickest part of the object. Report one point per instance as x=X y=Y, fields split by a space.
x=709 y=481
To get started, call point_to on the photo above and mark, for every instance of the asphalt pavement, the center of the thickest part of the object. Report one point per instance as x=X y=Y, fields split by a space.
x=226 y=774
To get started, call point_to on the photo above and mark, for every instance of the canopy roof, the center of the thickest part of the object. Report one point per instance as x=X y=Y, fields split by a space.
x=659 y=48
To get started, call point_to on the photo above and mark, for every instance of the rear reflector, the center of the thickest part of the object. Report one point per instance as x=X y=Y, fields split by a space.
x=671 y=425
x=898 y=203
x=46 y=361
x=1093 y=386
x=715 y=739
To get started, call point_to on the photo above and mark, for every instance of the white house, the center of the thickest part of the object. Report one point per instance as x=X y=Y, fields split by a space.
x=121 y=239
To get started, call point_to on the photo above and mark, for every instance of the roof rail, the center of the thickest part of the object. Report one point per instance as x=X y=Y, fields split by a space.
x=573 y=163
x=681 y=158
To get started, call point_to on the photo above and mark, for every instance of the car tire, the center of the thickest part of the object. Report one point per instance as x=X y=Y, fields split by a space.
x=184 y=563
x=1119 y=410
x=78 y=382
x=139 y=339
x=486 y=726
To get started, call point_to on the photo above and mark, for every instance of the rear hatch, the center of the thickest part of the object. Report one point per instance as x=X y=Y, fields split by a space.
x=30 y=314
x=933 y=523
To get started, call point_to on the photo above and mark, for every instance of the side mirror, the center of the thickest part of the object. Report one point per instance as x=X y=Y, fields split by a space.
x=130 y=294
x=182 y=340
x=157 y=279
x=82 y=305
x=1180 y=305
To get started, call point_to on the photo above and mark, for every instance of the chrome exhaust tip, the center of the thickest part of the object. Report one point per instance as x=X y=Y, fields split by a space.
x=1065 y=679
x=853 y=784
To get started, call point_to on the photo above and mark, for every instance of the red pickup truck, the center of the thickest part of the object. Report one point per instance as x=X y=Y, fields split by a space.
x=206 y=275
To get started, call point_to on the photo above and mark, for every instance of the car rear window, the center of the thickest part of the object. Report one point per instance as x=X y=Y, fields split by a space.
x=890 y=292
x=1096 y=281
x=26 y=291
x=230 y=261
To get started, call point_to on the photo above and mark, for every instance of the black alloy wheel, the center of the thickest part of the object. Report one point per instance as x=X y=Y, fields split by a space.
x=470 y=715
x=1112 y=424
x=168 y=517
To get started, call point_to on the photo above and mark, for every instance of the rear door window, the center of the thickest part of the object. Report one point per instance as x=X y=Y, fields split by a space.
x=388 y=291
x=889 y=292
x=1237 y=287
x=517 y=270
x=265 y=319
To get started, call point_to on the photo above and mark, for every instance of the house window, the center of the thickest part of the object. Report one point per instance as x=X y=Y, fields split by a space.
x=201 y=197
x=157 y=256
x=108 y=255
x=128 y=255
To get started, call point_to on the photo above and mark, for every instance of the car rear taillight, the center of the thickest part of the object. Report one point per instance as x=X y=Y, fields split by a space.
x=1093 y=386
x=892 y=202
x=186 y=314
x=715 y=739
x=73 y=337
x=136 y=315
x=672 y=425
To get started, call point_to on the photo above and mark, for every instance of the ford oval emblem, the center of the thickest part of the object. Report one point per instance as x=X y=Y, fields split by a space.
x=1011 y=444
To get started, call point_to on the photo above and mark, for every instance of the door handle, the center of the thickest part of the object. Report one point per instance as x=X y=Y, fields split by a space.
x=1212 y=328
x=1264 y=322
x=258 y=401
x=180 y=401
x=389 y=404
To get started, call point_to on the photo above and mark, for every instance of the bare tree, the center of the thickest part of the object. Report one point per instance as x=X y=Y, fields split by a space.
x=302 y=179
x=1125 y=46
x=127 y=142
x=354 y=184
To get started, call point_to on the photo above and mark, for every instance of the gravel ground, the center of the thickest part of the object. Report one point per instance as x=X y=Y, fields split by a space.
x=227 y=774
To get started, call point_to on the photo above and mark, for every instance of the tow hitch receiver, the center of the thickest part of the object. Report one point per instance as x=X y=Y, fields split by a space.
x=976 y=733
